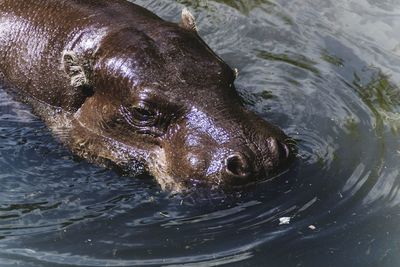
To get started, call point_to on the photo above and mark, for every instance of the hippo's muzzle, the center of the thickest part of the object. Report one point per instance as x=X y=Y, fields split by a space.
x=231 y=149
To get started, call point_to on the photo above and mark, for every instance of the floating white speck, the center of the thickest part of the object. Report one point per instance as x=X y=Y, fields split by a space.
x=164 y=214
x=312 y=227
x=284 y=220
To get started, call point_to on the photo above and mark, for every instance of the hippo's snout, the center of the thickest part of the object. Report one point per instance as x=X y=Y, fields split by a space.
x=245 y=167
x=232 y=149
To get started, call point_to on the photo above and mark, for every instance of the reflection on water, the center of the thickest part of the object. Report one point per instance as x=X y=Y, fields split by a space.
x=326 y=71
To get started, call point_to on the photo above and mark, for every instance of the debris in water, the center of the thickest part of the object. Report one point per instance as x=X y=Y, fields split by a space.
x=164 y=214
x=312 y=227
x=284 y=220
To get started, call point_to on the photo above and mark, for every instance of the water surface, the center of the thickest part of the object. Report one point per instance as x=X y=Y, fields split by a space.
x=326 y=71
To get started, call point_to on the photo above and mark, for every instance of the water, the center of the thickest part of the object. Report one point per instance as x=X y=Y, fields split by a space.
x=326 y=71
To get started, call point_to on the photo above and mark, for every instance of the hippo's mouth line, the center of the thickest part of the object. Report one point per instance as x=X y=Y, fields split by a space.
x=63 y=124
x=158 y=167
x=113 y=150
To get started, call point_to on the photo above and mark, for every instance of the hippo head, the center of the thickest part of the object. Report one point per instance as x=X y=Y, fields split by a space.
x=163 y=100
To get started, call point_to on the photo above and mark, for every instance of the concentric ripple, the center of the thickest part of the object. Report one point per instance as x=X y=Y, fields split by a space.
x=327 y=72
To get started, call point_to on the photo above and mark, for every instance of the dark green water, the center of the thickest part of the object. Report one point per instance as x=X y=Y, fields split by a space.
x=327 y=72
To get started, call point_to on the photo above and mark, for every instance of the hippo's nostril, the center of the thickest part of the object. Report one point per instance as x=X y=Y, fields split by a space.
x=286 y=150
x=237 y=166
x=277 y=148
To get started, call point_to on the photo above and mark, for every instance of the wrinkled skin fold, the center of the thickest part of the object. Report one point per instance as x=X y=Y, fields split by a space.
x=119 y=85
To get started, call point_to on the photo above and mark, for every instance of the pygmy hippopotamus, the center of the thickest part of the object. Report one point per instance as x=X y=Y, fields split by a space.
x=119 y=85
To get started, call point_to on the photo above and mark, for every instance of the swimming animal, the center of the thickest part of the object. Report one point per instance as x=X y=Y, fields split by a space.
x=120 y=86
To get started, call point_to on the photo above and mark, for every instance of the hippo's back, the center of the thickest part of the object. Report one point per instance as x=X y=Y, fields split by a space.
x=34 y=35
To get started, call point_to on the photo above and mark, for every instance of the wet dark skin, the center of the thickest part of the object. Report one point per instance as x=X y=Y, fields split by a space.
x=119 y=85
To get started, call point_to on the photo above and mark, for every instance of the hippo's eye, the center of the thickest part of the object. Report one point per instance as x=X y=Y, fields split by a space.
x=144 y=118
x=144 y=115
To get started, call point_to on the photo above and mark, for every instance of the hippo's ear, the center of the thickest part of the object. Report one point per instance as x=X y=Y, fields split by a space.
x=74 y=69
x=187 y=21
